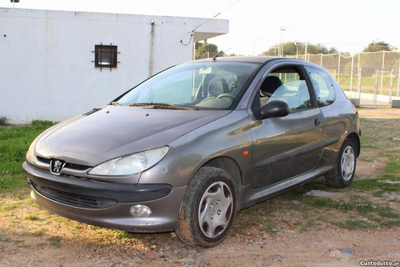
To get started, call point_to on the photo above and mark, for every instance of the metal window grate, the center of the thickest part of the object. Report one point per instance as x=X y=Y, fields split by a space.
x=105 y=56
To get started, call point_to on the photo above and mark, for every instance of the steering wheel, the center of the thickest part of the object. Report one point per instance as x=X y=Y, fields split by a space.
x=226 y=95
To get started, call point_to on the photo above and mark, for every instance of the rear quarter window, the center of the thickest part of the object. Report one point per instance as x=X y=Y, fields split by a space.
x=323 y=86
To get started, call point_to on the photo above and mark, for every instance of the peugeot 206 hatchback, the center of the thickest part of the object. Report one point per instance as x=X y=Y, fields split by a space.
x=188 y=148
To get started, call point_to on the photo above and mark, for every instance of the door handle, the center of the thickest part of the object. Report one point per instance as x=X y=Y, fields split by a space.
x=317 y=123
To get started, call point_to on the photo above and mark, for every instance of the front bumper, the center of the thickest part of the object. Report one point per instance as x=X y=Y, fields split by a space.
x=106 y=204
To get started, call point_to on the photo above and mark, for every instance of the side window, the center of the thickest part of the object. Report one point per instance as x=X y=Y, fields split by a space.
x=323 y=86
x=285 y=84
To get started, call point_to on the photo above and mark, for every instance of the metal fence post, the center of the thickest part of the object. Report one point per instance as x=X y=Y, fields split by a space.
x=358 y=65
x=254 y=46
x=351 y=74
x=391 y=88
x=359 y=85
x=338 y=72
x=398 y=83
x=305 y=54
x=398 y=80
x=383 y=66
x=376 y=87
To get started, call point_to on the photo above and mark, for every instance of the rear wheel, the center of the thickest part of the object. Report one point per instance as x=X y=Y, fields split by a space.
x=343 y=173
x=208 y=209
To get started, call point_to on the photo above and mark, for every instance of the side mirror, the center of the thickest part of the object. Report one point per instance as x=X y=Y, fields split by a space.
x=274 y=109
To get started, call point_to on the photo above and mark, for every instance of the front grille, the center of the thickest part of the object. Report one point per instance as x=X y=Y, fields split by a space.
x=72 y=166
x=74 y=199
x=76 y=167
x=43 y=160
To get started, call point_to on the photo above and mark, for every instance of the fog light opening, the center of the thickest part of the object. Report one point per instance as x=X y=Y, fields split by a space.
x=140 y=211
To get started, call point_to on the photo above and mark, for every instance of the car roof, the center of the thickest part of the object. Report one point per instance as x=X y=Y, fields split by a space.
x=260 y=59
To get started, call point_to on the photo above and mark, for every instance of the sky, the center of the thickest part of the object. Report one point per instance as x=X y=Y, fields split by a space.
x=254 y=25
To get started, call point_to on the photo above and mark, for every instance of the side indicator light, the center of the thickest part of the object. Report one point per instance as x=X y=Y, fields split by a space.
x=355 y=109
x=245 y=153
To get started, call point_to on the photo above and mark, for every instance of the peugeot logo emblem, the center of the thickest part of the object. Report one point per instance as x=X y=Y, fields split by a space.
x=56 y=166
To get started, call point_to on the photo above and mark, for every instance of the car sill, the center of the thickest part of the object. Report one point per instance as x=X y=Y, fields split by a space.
x=257 y=195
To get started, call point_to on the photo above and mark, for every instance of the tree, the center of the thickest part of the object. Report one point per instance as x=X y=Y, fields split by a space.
x=376 y=46
x=204 y=50
x=293 y=48
x=235 y=55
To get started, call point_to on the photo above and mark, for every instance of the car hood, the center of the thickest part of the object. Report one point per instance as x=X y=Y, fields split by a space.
x=118 y=130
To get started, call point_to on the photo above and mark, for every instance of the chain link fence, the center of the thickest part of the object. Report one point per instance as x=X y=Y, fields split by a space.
x=370 y=78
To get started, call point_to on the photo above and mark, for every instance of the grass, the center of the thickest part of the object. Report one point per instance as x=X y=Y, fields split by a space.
x=362 y=208
x=5 y=239
x=358 y=213
x=38 y=232
x=14 y=143
x=368 y=143
x=353 y=225
x=391 y=172
x=32 y=217
x=55 y=241
x=392 y=169
x=122 y=234
x=373 y=185
x=9 y=206
x=367 y=159
x=20 y=195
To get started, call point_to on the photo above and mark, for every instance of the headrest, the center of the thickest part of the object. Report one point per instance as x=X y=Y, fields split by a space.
x=217 y=86
x=303 y=89
x=270 y=84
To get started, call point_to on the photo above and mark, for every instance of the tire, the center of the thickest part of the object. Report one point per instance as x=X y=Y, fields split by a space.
x=208 y=209
x=343 y=174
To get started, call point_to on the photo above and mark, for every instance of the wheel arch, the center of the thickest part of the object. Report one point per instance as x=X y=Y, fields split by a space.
x=231 y=167
x=356 y=141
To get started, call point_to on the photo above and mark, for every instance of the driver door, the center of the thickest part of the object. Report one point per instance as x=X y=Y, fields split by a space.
x=287 y=146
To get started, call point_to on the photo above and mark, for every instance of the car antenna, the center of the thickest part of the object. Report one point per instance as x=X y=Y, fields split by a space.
x=192 y=32
x=223 y=53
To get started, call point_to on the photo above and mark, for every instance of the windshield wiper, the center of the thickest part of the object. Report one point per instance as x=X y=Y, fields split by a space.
x=157 y=105
x=115 y=103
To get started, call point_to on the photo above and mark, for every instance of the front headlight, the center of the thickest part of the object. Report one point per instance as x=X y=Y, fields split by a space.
x=30 y=155
x=130 y=164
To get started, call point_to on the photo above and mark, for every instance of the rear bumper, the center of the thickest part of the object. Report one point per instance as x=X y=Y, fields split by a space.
x=106 y=204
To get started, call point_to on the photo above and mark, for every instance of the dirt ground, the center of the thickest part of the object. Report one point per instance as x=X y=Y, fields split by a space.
x=284 y=249
x=310 y=226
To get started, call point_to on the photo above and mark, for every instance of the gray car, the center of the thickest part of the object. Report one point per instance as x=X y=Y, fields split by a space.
x=188 y=148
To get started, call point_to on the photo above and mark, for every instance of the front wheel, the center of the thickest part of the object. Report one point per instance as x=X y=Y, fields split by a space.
x=343 y=173
x=208 y=208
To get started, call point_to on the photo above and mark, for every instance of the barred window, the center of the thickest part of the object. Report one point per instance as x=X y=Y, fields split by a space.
x=105 y=56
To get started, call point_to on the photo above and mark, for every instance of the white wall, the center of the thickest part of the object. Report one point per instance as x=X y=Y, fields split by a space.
x=46 y=69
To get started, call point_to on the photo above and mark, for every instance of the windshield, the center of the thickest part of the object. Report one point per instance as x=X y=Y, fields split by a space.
x=209 y=85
